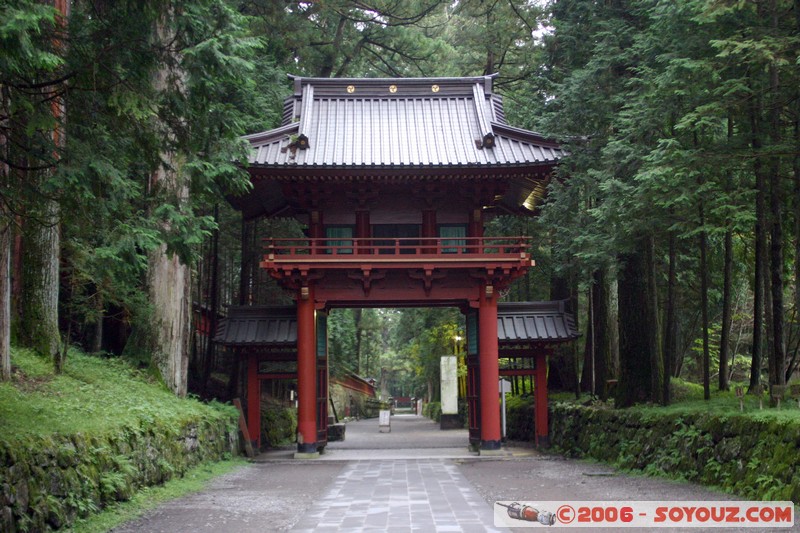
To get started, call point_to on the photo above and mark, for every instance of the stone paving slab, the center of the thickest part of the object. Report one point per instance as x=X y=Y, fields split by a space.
x=400 y=495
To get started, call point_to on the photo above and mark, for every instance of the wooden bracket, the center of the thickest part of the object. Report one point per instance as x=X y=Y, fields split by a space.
x=366 y=276
x=427 y=275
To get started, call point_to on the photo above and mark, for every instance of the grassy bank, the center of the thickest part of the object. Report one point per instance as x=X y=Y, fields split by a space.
x=149 y=498
x=93 y=395
x=97 y=434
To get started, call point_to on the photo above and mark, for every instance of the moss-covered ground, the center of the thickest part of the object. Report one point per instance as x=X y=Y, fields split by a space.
x=101 y=437
x=149 y=498
x=750 y=448
x=92 y=395
x=688 y=398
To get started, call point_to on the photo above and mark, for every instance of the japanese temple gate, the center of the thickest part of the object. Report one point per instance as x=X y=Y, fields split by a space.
x=394 y=180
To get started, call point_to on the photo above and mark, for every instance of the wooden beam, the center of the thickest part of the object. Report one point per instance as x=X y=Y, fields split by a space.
x=248 y=445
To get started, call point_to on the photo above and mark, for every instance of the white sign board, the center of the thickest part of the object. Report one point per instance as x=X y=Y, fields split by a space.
x=449 y=381
x=384 y=420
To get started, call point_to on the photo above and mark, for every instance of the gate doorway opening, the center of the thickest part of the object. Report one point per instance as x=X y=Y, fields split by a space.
x=266 y=337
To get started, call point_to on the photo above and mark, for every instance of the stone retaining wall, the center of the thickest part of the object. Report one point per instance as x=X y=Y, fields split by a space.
x=47 y=482
x=755 y=457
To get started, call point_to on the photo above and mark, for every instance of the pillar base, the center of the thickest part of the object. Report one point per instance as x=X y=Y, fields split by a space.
x=450 y=422
x=493 y=453
x=307 y=447
x=490 y=446
x=304 y=455
x=306 y=451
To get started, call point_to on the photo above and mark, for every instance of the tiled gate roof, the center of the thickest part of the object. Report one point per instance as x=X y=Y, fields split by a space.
x=517 y=322
x=403 y=122
x=523 y=322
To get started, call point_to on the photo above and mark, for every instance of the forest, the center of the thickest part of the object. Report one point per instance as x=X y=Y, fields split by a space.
x=673 y=226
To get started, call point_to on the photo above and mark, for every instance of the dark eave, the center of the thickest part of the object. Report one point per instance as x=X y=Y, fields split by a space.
x=258 y=326
x=535 y=322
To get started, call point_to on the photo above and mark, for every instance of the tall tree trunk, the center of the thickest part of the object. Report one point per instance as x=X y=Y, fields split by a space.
x=768 y=316
x=40 y=282
x=703 y=242
x=603 y=363
x=169 y=279
x=169 y=284
x=6 y=227
x=213 y=310
x=778 y=353
x=727 y=282
x=5 y=294
x=245 y=280
x=760 y=253
x=97 y=339
x=613 y=323
x=671 y=323
x=796 y=172
x=640 y=357
x=357 y=316
x=727 y=321
x=588 y=382
x=563 y=374
x=42 y=244
x=654 y=329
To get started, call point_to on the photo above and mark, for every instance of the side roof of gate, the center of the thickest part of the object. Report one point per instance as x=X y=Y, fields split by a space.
x=517 y=322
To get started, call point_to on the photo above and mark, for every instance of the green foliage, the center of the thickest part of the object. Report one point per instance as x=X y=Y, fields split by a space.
x=520 y=418
x=279 y=425
x=423 y=336
x=433 y=410
x=753 y=454
x=93 y=395
x=74 y=443
x=341 y=39
x=149 y=498
x=681 y=390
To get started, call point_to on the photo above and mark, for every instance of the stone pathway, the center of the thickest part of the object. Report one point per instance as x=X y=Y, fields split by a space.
x=400 y=495
x=416 y=478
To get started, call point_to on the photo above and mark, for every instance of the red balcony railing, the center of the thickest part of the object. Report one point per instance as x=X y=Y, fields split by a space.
x=468 y=249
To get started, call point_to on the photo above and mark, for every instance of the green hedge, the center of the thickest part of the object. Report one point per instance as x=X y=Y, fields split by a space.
x=433 y=410
x=519 y=418
x=756 y=457
x=278 y=424
x=47 y=481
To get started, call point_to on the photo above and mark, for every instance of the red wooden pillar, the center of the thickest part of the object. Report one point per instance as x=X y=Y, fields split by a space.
x=476 y=223
x=475 y=231
x=489 y=371
x=540 y=397
x=428 y=230
x=306 y=373
x=363 y=231
x=253 y=401
x=316 y=231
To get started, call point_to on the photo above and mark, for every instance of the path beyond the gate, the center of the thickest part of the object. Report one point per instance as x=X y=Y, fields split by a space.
x=414 y=478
